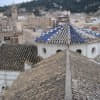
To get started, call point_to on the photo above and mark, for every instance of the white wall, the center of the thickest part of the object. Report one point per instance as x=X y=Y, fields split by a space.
x=27 y=65
x=82 y=47
x=97 y=50
x=7 y=77
x=86 y=49
x=51 y=50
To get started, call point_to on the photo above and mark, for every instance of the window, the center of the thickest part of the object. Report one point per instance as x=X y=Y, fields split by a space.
x=44 y=50
x=93 y=50
x=4 y=87
x=79 y=51
x=6 y=38
x=34 y=30
x=58 y=51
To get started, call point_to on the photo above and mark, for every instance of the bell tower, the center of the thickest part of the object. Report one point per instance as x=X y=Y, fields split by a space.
x=14 y=17
x=14 y=14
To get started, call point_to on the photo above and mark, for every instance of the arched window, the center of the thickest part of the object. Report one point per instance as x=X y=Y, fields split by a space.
x=58 y=51
x=79 y=51
x=93 y=50
x=44 y=50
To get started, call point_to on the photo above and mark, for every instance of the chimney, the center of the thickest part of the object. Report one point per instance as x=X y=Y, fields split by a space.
x=27 y=65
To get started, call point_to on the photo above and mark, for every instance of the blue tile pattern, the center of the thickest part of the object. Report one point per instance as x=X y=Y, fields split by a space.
x=60 y=34
x=88 y=33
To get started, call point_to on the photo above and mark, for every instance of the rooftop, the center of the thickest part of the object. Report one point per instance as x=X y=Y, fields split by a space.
x=13 y=57
x=61 y=33
x=46 y=80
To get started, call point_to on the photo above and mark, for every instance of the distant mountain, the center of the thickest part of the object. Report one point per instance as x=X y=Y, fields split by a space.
x=73 y=5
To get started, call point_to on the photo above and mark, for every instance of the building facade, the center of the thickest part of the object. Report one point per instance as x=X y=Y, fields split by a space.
x=55 y=41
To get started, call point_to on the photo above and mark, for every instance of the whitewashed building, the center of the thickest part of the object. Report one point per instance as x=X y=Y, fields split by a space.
x=15 y=59
x=55 y=40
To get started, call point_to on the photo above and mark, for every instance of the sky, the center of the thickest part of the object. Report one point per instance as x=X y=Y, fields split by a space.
x=8 y=2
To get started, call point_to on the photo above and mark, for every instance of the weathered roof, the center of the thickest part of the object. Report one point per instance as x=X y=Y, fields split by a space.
x=12 y=57
x=46 y=80
x=97 y=59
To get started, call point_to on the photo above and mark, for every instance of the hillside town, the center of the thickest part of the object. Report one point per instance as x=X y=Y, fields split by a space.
x=54 y=56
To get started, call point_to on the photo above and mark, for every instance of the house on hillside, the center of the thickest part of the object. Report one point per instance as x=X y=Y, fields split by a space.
x=55 y=40
x=15 y=59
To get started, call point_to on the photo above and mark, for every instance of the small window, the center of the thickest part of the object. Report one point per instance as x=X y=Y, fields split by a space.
x=58 y=51
x=93 y=50
x=34 y=30
x=44 y=50
x=4 y=87
x=79 y=51
x=6 y=38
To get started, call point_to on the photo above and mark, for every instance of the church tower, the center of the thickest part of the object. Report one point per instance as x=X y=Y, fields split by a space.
x=14 y=14
x=64 y=18
x=14 y=17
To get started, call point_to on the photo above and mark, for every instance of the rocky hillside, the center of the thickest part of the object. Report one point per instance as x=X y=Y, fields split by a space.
x=73 y=5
